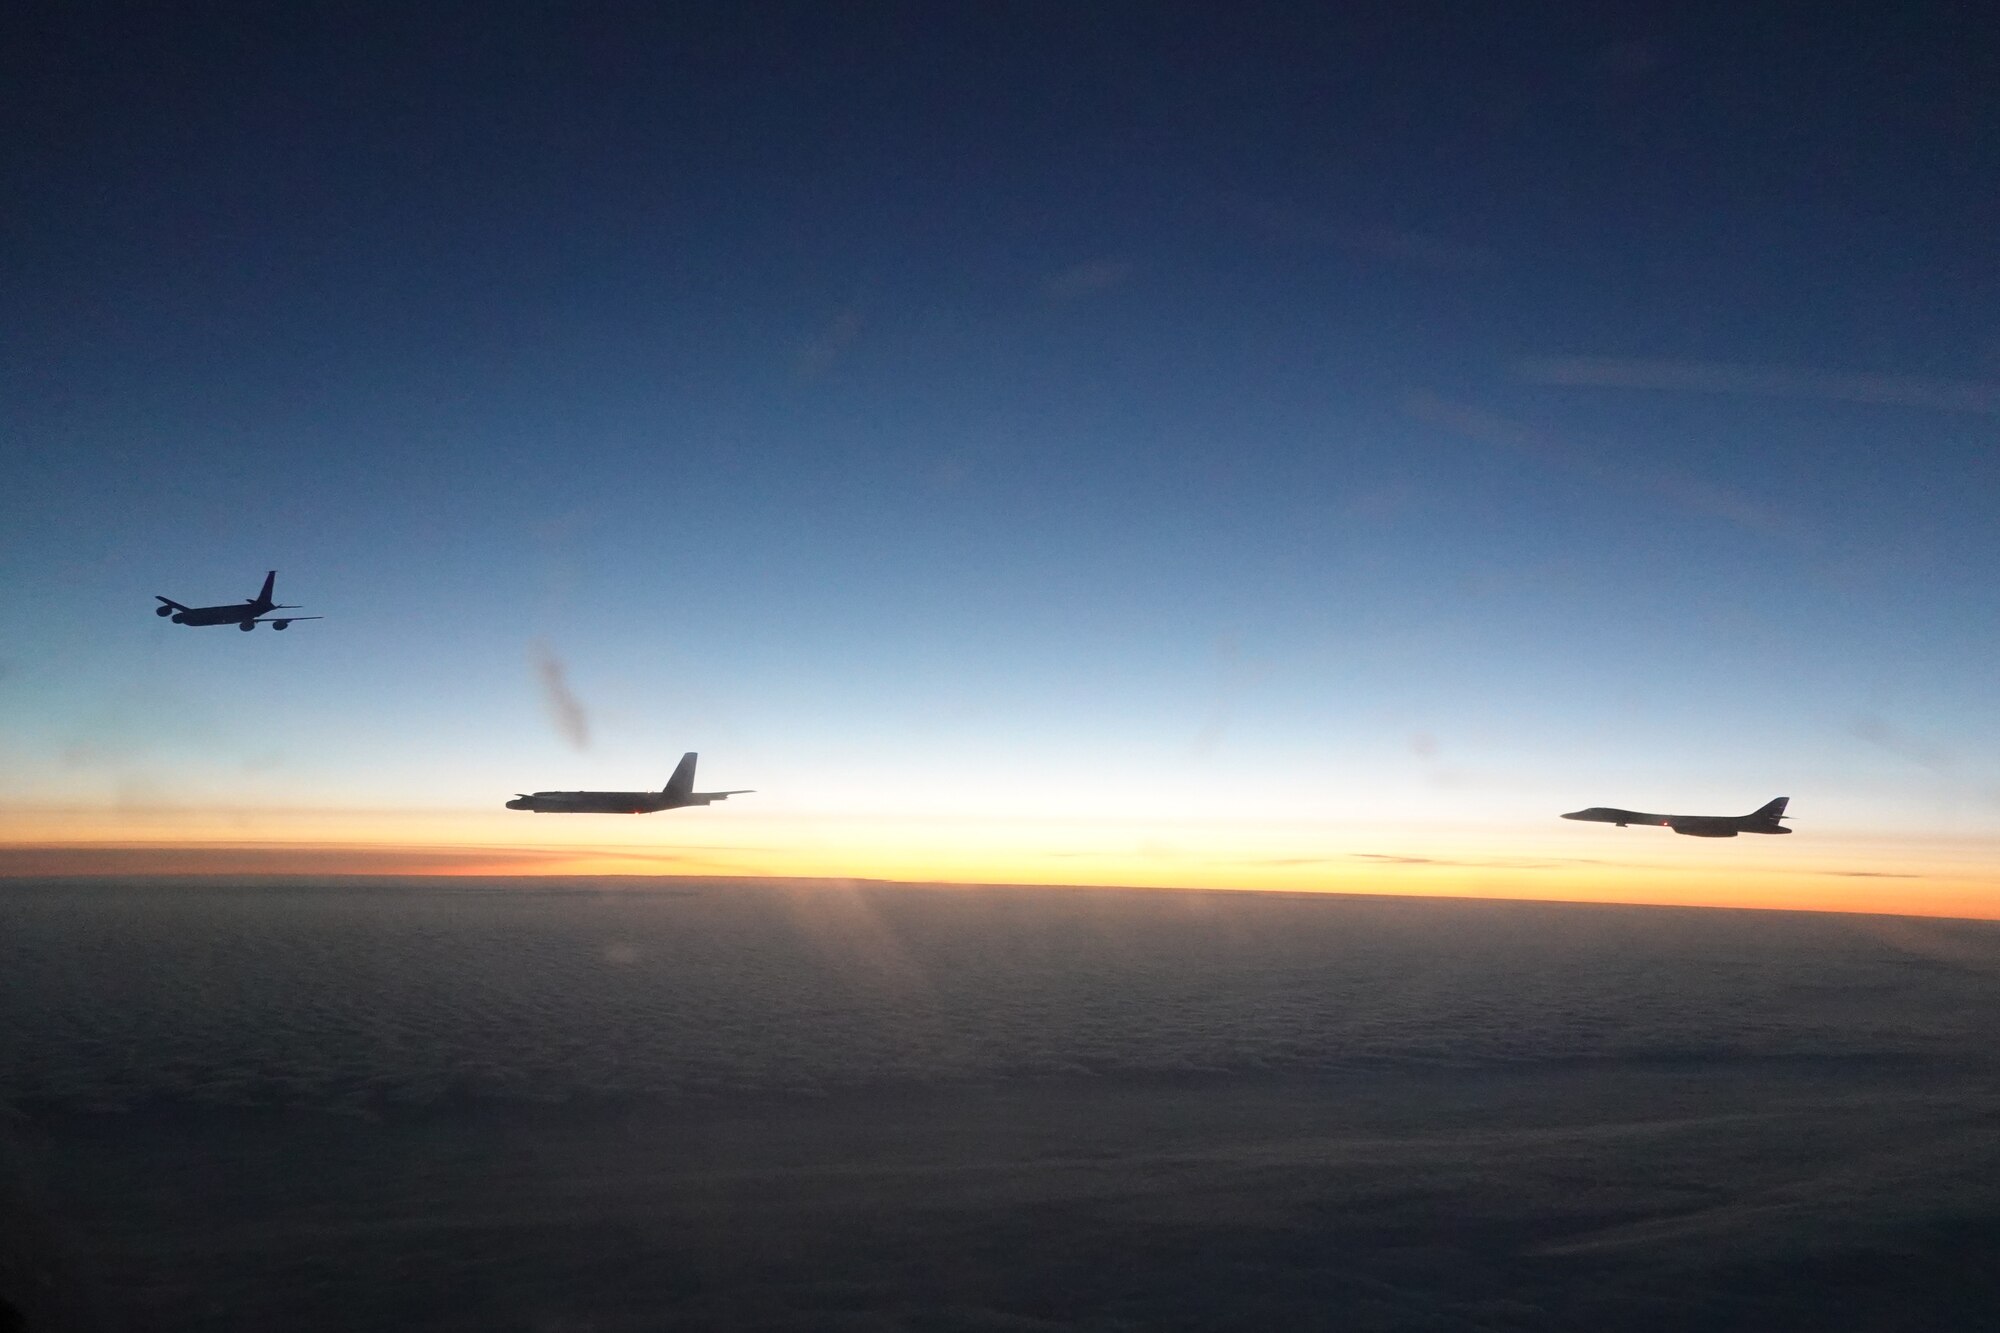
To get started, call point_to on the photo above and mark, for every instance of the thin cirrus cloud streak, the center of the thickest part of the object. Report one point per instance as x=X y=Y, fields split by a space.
x=566 y=711
x=1081 y=280
x=1235 y=676
x=1683 y=492
x=825 y=349
x=294 y=858
x=1938 y=395
x=1477 y=863
x=285 y=858
x=1886 y=735
x=1362 y=242
x=1403 y=246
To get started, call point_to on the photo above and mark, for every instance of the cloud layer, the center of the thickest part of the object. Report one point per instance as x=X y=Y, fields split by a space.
x=808 y=1107
x=378 y=999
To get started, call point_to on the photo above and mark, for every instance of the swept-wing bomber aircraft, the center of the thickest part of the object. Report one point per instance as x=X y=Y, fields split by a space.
x=678 y=792
x=246 y=615
x=1764 y=819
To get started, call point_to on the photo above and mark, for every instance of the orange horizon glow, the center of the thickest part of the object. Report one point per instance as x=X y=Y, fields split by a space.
x=1872 y=873
x=1967 y=888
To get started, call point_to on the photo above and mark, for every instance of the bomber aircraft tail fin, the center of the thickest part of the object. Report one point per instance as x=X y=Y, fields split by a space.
x=682 y=782
x=1770 y=813
x=263 y=597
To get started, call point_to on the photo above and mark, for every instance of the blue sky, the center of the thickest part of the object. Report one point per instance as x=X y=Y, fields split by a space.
x=1009 y=410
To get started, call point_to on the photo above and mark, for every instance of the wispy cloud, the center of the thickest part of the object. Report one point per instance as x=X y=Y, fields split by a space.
x=1938 y=395
x=1378 y=242
x=1481 y=863
x=280 y=858
x=1886 y=735
x=1235 y=676
x=824 y=351
x=1684 y=492
x=566 y=711
x=1403 y=246
x=1081 y=280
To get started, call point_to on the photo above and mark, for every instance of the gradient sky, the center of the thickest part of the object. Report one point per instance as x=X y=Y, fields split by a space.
x=1132 y=444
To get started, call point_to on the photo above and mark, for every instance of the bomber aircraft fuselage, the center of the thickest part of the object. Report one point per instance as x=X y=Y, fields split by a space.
x=1761 y=820
x=678 y=792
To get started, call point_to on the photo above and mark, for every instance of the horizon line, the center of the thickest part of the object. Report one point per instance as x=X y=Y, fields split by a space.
x=11 y=871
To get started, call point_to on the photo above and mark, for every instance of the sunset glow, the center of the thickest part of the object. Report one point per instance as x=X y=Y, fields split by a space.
x=1264 y=491
x=1944 y=878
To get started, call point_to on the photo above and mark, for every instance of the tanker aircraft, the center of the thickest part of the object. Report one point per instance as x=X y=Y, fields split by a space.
x=246 y=615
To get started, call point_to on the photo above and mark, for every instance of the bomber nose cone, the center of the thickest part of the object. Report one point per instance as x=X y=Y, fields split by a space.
x=1576 y=814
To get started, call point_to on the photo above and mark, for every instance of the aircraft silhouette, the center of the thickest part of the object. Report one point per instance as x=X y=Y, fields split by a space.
x=678 y=792
x=244 y=614
x=1764 y=819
